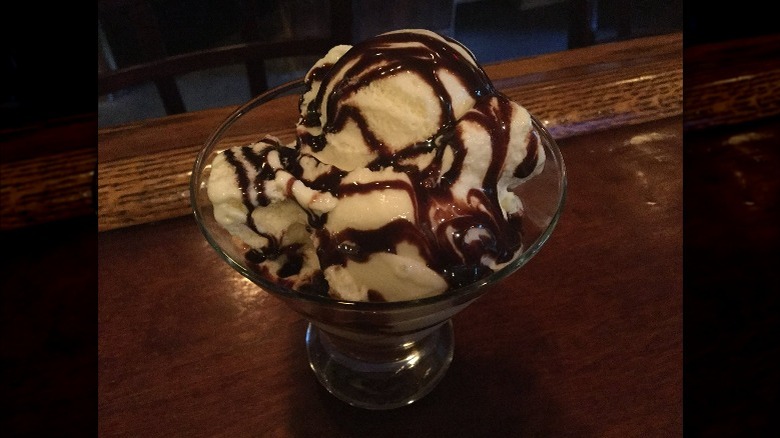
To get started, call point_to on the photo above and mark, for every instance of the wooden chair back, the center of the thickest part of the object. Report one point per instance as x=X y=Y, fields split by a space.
x=157 y=65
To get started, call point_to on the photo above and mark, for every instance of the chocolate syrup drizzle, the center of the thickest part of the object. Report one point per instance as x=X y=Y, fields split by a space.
x=382 y=56
x=445 y=227
x=246 y=158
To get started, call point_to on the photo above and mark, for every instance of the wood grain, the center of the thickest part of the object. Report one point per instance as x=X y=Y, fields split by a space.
x=585 y=90
x=48 y=171
x=732 y=82
x=576 y=92
x=586 y=340
x=44 y=190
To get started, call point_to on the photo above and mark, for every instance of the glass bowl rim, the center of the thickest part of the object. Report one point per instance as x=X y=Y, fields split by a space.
x=463 y=294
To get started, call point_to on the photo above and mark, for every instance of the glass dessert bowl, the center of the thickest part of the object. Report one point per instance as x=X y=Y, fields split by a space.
x=373 y=355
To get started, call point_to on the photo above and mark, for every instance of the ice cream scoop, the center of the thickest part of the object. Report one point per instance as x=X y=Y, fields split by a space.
x=388 y=97
x=400 y=182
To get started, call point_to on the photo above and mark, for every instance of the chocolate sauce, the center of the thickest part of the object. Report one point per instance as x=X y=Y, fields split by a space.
x=452 y=235
x=358 y=245
x=246 y=159
x=443 y=222
x=382 y=56
x=376 y=296
x=528 y=165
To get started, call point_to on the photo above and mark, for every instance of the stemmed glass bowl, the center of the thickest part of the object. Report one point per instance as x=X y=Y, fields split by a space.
x=373 y=355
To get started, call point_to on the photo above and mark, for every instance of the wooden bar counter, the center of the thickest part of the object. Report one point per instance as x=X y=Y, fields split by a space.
x=586 y=340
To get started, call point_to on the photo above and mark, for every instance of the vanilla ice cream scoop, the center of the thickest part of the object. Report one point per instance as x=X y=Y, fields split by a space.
x=387 y=97
x=261 y=195
x=400 y=183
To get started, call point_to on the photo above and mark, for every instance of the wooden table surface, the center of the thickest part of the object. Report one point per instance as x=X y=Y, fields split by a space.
x=586 y=340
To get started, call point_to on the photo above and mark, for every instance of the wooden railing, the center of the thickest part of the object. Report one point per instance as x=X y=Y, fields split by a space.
x=143 y=168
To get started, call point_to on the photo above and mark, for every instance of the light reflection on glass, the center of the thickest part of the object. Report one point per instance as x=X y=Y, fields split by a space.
x=413 y=358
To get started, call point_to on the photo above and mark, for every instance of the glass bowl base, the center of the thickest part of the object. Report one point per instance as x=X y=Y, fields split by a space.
x=380 y=377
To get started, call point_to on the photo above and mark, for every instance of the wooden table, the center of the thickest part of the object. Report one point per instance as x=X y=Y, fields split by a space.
x=586 y=340
x=583 y=339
